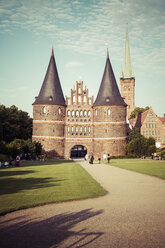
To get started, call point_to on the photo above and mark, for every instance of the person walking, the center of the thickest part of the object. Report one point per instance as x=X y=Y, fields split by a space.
x=104 y=157
x=99 y=157
x=108 y=158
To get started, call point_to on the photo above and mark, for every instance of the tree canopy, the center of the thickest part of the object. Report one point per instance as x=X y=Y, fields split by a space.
x=14 y=124
x=139 y=145
x=136 y=111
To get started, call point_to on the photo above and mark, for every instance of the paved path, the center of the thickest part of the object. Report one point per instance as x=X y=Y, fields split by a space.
x=131 y=215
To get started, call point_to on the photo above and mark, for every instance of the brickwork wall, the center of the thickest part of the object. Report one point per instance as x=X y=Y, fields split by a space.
x=128 y=93
x=49 y=128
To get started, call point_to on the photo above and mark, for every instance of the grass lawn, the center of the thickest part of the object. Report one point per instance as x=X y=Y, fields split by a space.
x=37 y=183
x=144 y=166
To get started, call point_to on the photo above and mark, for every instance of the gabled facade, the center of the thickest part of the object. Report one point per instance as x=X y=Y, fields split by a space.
x=61 y=125
x=151 y=126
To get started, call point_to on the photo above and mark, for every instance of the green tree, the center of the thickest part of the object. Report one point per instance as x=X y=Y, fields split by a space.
x=136 y=111
x=14 y=124
x=140 y=145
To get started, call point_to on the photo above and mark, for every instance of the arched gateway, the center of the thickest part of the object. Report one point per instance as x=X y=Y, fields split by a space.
x=78 y=151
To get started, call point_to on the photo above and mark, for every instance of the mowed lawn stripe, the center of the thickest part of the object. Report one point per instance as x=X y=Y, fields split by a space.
x=144 y=166
x=36 y=184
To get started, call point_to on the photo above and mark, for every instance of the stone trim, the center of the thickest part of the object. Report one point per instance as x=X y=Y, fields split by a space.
x=112 y=138
x=45 y=121
x=47 y=137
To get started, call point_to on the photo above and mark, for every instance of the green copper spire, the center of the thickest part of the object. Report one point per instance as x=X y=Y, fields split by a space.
x=127 y=71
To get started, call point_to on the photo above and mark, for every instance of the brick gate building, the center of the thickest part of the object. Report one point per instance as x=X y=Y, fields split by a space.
x=60 y=124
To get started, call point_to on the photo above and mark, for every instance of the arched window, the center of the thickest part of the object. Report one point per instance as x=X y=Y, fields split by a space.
x=89 y=129
x=59 y=111
x=85 y=130
x=72 y=130
x=90 y=101
x=77 y=113
x=79 y=98
x=84 y=99
x=109 y=112
x=85 y=113
x=68 y=113
x=81 y=113
x=72 y=112
x=80 y=130
x=74 y=98
x=44 y=110
x=79 y=90
x=89 y=113
x=76 y=129
x=68 y=130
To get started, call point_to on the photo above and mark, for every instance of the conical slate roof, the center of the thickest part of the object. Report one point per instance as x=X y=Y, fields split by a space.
x=51 y=91
x=109 y=93
x=127 y=71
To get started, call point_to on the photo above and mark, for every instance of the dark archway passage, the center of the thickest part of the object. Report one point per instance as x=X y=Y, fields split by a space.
x=78 y=151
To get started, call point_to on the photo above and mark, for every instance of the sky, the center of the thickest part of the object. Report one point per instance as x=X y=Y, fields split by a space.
x=80 y=32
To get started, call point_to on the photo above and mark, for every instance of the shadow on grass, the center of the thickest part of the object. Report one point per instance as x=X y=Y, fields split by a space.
x=8 y=173
x=15 y=185
x=50 y=232
x=26 y=163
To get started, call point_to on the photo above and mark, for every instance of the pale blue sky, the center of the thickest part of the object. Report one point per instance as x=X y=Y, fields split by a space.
x=80 y=31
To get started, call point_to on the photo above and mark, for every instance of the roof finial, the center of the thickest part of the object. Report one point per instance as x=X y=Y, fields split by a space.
x=107 y=53
x=52 y=51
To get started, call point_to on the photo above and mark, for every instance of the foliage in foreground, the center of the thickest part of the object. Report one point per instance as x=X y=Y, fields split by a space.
x=39 y=183
x=19 y=146
x=139 y=145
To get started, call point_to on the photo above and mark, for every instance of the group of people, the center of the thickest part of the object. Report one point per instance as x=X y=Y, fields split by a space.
x=91 y=158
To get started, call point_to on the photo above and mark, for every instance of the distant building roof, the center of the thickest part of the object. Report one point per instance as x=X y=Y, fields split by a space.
x=140 y=119
x=162 y=119
x=109 y=93
x=51 y=91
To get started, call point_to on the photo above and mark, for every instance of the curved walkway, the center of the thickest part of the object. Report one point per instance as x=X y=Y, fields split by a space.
x=131 y=215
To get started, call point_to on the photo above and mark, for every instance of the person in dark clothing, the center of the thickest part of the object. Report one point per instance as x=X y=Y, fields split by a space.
x=108 y=158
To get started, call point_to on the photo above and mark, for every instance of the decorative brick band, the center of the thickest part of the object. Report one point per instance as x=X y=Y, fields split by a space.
x=48 y=137
x=44 y=121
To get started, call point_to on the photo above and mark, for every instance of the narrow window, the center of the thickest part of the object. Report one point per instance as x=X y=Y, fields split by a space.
x=81 y=113
x=44 y=110
x=72 y=112
x=79 y=98
x=68 y=113
x=85 y=113
x=68 y=101
x=84 y=99
x=89 y=113
x=59 y=111
x=77 y=113
x=74 y=98
x=79 y=90
x=85 y=130
x=108 y=112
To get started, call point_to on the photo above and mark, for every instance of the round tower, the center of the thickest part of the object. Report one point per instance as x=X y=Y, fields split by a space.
x=49 y=113
x=109 y=117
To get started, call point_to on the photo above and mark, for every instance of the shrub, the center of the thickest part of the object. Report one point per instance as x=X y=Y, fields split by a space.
x=3 y=158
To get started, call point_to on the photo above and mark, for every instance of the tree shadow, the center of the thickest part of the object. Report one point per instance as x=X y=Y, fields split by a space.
x=50 y=232
x=26 y=163
x=15 y=185
x=8 y=173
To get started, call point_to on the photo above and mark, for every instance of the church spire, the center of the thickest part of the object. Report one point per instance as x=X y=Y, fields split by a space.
x=127 y=71
x=51 y=92
x=108 y=92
